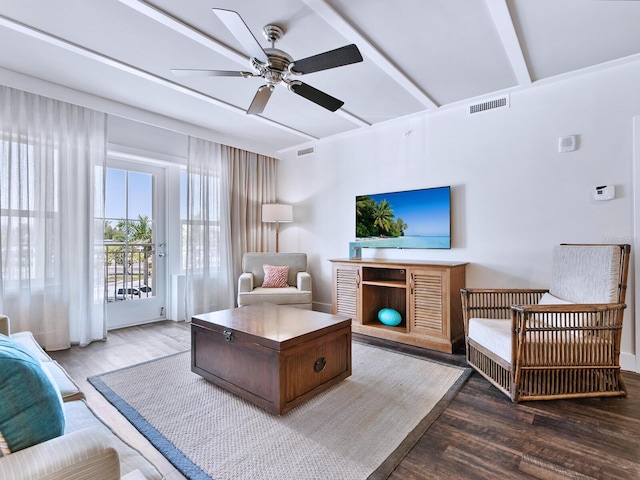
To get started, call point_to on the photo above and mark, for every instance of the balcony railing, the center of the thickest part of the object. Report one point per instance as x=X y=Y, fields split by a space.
x=129 y=270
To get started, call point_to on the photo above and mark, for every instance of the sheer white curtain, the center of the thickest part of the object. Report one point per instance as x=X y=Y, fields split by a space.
x=209 y=277
x=226 y=188
x=52 y=160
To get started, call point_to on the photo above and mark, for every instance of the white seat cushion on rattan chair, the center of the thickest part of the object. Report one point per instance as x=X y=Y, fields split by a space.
x=585 y=273
x=493 y=334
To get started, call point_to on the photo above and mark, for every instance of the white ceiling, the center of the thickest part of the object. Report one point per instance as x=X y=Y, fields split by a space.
x=419 y=55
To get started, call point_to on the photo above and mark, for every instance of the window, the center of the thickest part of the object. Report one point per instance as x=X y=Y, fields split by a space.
x=128 y=234
x=27 y=212
x=204 y=216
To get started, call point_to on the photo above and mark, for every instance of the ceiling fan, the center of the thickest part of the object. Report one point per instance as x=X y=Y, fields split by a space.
x=276 y=66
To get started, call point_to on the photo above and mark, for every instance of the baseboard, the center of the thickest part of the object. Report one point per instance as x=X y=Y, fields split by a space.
x=628 y=362
x=323 y=307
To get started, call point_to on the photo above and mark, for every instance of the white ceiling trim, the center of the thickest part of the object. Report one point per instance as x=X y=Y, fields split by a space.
x=182 y=28
x=38 y=86
x=504 y=24
x=351 y=117
x=71 y=47
x=348 y=31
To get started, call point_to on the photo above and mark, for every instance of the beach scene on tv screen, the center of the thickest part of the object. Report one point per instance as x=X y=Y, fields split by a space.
x=407 y=219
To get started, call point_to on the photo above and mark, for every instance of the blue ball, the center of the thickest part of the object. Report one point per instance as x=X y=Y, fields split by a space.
x=390 y=317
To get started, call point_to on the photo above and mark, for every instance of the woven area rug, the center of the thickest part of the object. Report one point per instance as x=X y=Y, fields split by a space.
x=358 y=429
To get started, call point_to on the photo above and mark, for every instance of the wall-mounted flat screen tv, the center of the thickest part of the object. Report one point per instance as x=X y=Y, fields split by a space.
x=408 y=219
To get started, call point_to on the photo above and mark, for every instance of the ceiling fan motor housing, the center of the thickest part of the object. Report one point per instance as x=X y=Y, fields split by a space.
x=278 y=68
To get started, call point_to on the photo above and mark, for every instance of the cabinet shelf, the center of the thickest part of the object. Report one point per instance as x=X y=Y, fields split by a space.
x=426 y=294
x=385 y=283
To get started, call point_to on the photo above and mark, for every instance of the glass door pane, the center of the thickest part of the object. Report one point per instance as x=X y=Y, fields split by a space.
x=134 y=266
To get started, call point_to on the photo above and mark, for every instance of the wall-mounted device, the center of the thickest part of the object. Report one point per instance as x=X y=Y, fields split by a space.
x=604 y=192
x=567 y=144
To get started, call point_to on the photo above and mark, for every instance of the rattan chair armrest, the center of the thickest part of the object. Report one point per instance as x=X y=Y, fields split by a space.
x=495 y=302
x=567 y=317
x=565 y=336
x=569 y=308
x=501 y=297
x=504 y=290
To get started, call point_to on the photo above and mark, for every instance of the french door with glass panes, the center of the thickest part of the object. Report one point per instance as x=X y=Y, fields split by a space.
x=134 y=243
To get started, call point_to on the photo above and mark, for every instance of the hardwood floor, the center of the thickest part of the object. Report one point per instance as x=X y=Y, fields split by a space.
x=480 y=435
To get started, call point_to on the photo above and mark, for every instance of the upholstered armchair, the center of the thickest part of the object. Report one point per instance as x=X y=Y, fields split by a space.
x=279 y=278
x=564 y=342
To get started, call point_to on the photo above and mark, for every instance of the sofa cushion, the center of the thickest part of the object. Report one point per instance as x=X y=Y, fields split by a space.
x=493 y=334
x=67 y=387
x=28 y=341
x=279 y=296
x=80 y=416
x=548 y=299
x=30 y=404
x=586 y=273
x=275 y=276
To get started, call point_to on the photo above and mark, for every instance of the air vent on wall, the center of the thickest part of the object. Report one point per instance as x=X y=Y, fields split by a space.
x=498 y=102
x=306 y=151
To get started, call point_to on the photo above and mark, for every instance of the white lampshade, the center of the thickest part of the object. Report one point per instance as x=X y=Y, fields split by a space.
x=276 y=212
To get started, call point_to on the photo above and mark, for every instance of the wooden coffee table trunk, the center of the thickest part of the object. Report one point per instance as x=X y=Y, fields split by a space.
x=274 y=356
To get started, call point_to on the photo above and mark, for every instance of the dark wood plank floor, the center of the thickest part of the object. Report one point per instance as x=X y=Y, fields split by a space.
x=480 y=435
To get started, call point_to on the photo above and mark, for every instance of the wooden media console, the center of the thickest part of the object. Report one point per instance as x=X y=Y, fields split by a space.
x=426 y=294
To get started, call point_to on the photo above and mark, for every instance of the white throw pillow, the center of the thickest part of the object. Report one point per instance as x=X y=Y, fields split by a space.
x=548 y=299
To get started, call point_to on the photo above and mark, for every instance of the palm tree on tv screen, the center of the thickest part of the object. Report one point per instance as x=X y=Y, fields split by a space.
x=383 y=217
x=375 y=219
x=365 y=206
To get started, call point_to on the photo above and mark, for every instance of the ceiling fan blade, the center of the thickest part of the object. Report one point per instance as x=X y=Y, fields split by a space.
x=187 y=72
x=234 y=23
x=323 y=61
x=260 y=100
x=316 y=96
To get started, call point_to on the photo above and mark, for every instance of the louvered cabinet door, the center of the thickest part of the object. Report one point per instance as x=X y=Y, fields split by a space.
x=428 y=300
x=346 y=291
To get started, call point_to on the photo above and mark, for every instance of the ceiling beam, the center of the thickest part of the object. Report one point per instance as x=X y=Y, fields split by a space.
x=182 y=28
x=123 y=67
x=321 y=8
x=504 y=25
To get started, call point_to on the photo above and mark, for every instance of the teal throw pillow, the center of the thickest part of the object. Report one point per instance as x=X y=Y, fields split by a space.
x=31 y=408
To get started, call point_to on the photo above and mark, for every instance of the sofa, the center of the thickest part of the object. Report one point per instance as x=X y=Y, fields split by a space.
x=83 y=447
x=279 y=278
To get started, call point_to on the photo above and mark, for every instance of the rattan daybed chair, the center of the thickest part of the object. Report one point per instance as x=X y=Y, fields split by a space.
x=558 y=343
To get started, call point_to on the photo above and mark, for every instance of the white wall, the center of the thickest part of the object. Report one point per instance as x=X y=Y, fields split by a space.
x=513 y=198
